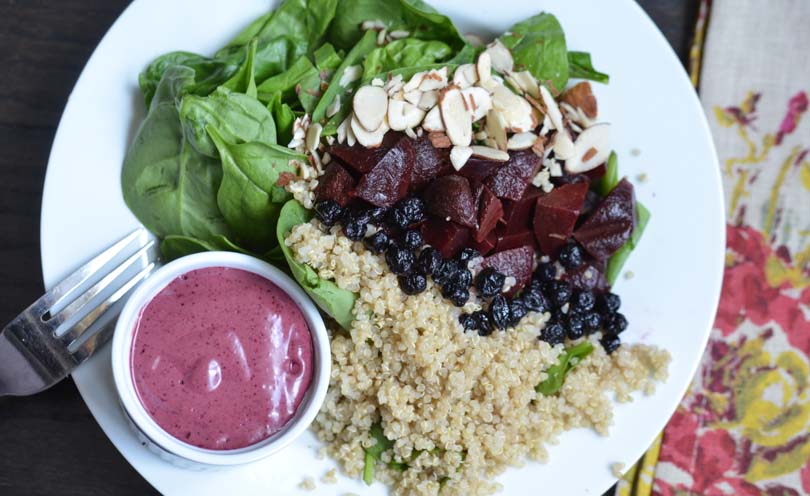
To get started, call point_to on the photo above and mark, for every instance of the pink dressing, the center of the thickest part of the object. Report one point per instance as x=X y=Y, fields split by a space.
x=221 y=358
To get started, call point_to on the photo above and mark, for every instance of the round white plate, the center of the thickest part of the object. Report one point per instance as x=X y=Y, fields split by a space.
x=678 y=267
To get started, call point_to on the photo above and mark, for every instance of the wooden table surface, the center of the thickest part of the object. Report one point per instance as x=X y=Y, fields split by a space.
x=50 y=443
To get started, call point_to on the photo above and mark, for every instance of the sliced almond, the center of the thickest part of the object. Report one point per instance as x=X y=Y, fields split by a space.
x=393 y=85
x=350 y=75
x=410 y=133
x=428 y=100
x=333 y=107
x=581 y=96
x=563 y=145
x=496 y=129
x=439 y=140
x=402 y=115
x=370 y=106
x=435 y=79
x=341 y=129
x=516 y=111
x=478 y=102
x=465 y=76
x=473 y=40
x=399 y=34
x=521 y=141
x=459 y=156
x=500 y=56
x=381 y=37
x=539 y=146
x=527 y=83
x=484 y=68
x=488 y=153
x=414 y=82
x=490 y=143
x=552 y=109
x=456 y=116
x=481 y=135
x=369 y=139
x=596 y=137
x=413 y=97
x=374 y=24
x=313 y=139
x=433 y=120
x=351 y=139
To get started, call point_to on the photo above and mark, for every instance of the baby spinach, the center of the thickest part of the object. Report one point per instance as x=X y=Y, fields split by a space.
x=611 y=177
x=408 y=52
x=174 y=246
x=248 y=196
x=167 y=184
x=580 y=66
x=373 y=454
x=569 y=359
x=538 y=45
x=208 y=73
x=336 y=302
x=238 y=117
x=284 y=83
x=284 y=117
x=310 y=86
x=244 y=80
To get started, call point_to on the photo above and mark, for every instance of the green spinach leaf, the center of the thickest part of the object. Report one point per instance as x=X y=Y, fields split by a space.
x=538 y=45
x=208 y=73
x=284 y=116
x=580 y=66
x=310 y=88
x=556 y=373
x=611 y=178
x=244 y=81
x=336 y=302
x=408 y=52
x=284 y=84
x=373 y=454
x=173 y=247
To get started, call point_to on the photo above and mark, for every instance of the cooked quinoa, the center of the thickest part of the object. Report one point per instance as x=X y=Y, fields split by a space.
x=466 y=402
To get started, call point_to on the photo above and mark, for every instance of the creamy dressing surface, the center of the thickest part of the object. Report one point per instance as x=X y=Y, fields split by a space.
x=221 y=358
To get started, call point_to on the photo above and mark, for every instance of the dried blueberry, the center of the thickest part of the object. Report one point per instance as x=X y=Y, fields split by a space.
x=457 y=296
x=428 y=262
x=355 y=229
x=517 y=310
x=583 y=301
x=468 y=321
x=467 y=254
x=407 y=212
x=376 y=214
x=535 y=300
x=610 y=343
x=575 y=326
x=412 y=284
x=400 y=260
x=328 y=212
x=553 y=333
x=499 y=312
x=461 y=278
x=571 y=256
x=559 y=292
x=545 y=272
x=377 y=242
x=592 y=322
x=445 y=271
x=615 y=323
x=411 y=239
x=608 y=303
x=489 y=282
x=483 y=324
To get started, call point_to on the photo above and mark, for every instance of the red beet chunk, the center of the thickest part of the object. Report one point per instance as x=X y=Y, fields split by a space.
x=510 y=180
x=586 y=277
x=447 y=237
x=517 y=215
x=485 y=246
x=517 y=262
x=490 y=211
x=477 y=169
x=360 y=159
x=451 y=197
x=611 y=223
x=335 y=184
x=507 y=240
x=556 y=214
x=431 y=162
x=596 y=173
x=388 y=181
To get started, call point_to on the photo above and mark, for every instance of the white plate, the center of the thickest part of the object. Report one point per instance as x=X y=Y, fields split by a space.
x=678 y=267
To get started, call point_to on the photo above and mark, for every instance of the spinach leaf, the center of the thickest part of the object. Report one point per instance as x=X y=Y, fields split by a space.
x=244 y=81
x=580 y=66
x=366 y=44
x=237 y=117
x=208 y=73
x=617 y=260
x=284 y=83
x=336 y=302
x=408 y=52
x=373 y=454
x=275 y=56
x=538 y=45
x=310 y=87
x=173 y=246
x=568 y=360
x=166 y=183
x=611 y=178
x=248 y=196
x=284 y=117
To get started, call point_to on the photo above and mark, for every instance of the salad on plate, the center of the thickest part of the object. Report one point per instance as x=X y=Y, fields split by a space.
x=452 y=205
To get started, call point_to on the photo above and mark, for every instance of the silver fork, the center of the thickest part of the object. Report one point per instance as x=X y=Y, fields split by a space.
x=70 y=322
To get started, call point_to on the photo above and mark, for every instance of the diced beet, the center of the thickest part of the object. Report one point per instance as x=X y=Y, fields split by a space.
x=510 y=180
x=517 y=262
x=517 y=215
x=447 y=237
x=360 y=159
x=335 y=184
x=612 y=222
x=388 y=181
x=592 y=199
x=451 y=196
x=478 y=169
x=487 y=245
x=571 y=179
x=508 y=240
x=490 y=211
x=596 y=173
x=556 y=214
x=431 y=162
x=586 y=277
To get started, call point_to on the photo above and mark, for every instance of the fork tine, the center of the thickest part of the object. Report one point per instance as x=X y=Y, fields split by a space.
x=146 y=255
x=58 y=293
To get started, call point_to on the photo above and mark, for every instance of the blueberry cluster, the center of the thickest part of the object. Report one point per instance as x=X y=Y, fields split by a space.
x=503 y=311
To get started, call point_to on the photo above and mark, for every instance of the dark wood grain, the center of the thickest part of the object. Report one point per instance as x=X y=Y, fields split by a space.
x=49 y=443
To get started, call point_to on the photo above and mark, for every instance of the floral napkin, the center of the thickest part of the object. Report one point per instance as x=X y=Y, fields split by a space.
x=744 y=426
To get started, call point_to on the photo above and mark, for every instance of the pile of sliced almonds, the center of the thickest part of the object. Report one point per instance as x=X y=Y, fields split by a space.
x=484 y=110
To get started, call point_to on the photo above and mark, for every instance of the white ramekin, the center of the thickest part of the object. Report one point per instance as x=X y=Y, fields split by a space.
x=164 y=444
